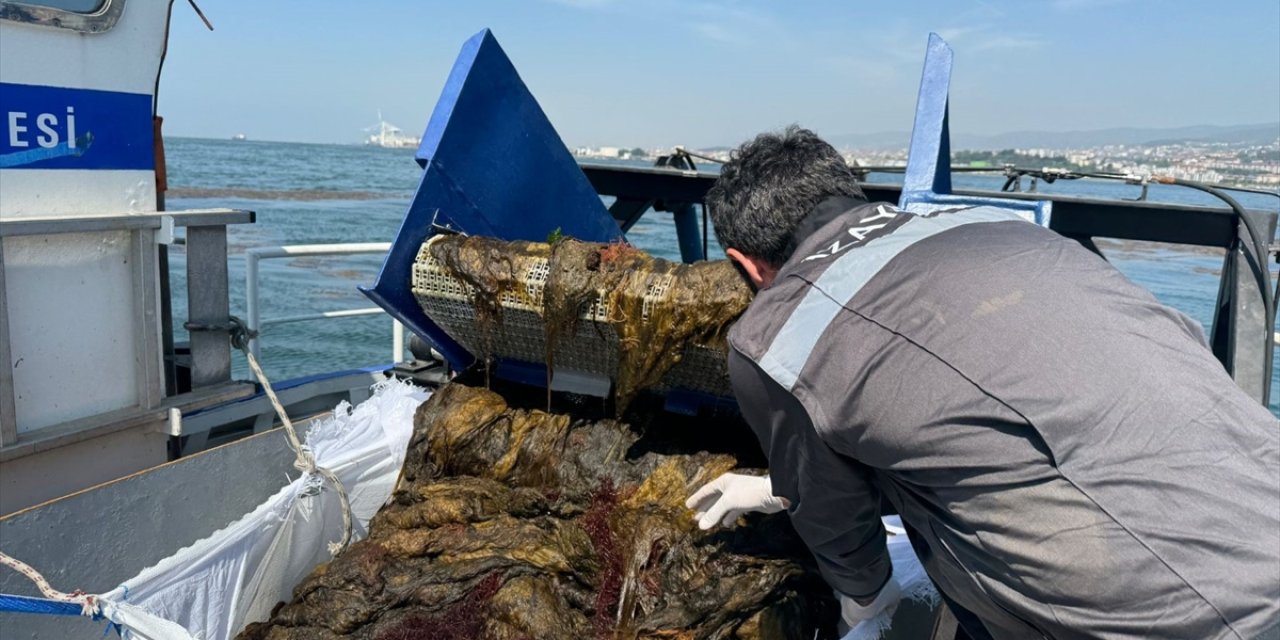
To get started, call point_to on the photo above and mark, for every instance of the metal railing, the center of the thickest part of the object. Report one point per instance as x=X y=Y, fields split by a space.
x=257 y=254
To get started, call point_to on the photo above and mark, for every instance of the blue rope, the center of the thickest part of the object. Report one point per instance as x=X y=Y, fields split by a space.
x=111 y=624
x=24 y=604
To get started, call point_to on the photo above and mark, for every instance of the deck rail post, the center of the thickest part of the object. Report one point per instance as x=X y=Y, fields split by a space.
x=208 y=304
x=1242 y=338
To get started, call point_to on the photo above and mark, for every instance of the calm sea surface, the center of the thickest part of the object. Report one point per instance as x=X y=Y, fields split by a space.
x=310 y=194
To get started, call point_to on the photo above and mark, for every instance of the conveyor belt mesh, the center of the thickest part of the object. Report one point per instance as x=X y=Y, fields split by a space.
x=519 y=334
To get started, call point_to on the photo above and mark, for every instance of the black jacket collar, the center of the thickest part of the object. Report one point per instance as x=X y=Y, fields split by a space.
x=818 y=217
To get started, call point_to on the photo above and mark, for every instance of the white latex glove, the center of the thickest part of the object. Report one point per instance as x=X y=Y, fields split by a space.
x=852 y=614
x=728 y=497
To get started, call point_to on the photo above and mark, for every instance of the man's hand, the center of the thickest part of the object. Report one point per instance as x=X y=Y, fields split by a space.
x=852 y=614
x=730 y=496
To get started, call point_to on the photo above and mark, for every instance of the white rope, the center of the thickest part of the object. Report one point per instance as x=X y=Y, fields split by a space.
x=88 y=603
x=305 y=462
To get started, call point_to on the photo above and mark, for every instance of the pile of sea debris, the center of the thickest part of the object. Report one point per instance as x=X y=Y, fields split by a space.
x=512 y=522
x=516 y=523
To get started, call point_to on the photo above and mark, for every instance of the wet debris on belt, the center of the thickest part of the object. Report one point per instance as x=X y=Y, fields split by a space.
x=658 y=309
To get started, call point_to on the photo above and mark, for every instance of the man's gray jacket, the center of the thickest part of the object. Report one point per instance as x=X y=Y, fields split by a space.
x=1074 y=461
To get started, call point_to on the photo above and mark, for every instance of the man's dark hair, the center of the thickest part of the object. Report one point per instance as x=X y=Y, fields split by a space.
x=769 y=185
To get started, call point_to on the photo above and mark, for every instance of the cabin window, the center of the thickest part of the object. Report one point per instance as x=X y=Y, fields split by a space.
x=74 y=6
x=90 y=16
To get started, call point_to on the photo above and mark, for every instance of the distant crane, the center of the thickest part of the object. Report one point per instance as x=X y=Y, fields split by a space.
x=385 y=134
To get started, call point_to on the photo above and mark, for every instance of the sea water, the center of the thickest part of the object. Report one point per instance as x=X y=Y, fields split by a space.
x=320 y=194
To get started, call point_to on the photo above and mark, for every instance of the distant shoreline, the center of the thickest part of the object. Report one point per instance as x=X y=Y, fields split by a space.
x=354 y=143
x=280 y=194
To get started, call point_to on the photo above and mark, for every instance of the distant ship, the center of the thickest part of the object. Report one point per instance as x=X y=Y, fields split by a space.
x=239 y=137
x=385 y=134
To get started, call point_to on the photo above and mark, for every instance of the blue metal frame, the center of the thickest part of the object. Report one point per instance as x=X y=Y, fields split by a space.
x=688 y=233
x=493 y=166
x=927 y=185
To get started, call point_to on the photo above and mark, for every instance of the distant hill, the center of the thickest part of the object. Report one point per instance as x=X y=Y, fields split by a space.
x=1248 y=133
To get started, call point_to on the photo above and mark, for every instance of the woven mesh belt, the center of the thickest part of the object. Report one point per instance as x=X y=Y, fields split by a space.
x=519 y=334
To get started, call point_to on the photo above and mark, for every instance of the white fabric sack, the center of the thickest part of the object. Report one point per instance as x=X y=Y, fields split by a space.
x=911 y=579
x=137 y=624
x=216 y=586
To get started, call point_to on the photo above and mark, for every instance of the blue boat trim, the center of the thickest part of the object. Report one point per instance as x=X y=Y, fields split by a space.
x=293 y=383
x=60 y=128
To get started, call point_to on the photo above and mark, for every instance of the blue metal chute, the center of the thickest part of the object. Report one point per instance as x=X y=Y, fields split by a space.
x=927 y=185
x=494 y=166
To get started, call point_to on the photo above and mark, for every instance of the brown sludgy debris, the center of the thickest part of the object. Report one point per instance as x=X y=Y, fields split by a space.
x=513 y=523
x=696 y=305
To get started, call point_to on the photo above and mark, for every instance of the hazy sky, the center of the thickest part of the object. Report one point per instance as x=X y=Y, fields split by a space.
x=708 y=72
